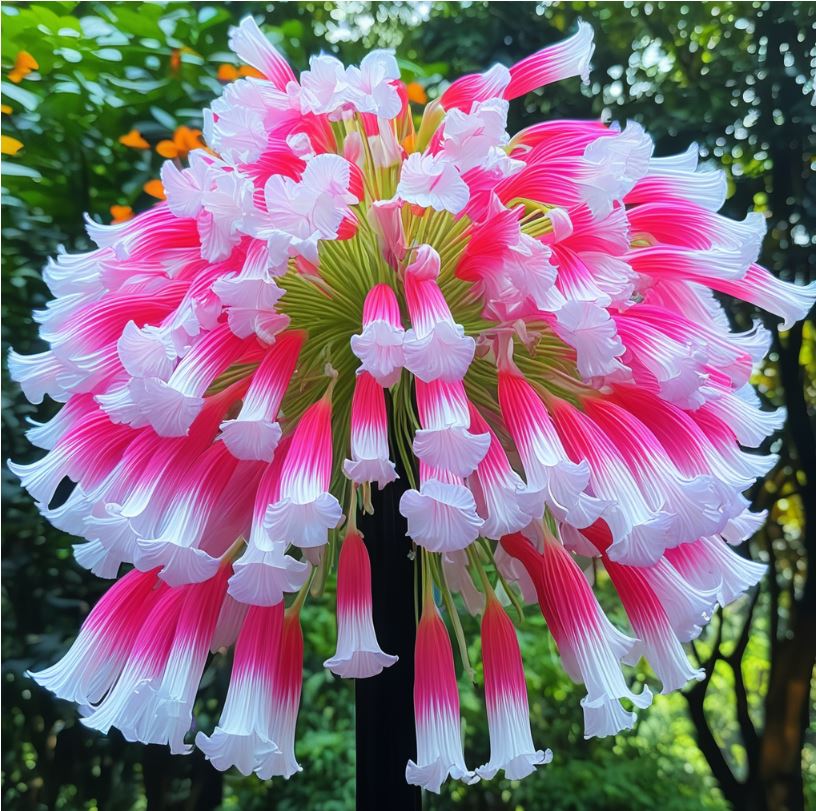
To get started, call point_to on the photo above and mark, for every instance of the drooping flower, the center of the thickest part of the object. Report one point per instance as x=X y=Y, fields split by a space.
x=358 y=652
x=591 y=648
x=153 y=699
x=93 y=664
x=524 y=326
x=511 y=742
x=243 y=735
x=304 y=510
x=436 y=706
x=369 y=460
x=281 y=760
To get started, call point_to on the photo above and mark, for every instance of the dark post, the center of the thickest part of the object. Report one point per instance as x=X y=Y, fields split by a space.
x=386 y=738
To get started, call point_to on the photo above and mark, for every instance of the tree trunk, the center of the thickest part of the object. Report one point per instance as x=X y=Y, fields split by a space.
x=386 y=736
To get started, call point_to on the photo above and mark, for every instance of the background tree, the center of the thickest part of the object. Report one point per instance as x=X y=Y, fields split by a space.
x=735 y=77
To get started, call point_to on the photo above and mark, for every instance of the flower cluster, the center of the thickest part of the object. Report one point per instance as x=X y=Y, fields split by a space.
x=527 y=326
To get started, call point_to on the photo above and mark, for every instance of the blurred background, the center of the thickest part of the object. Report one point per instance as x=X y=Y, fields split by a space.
x=96 y=95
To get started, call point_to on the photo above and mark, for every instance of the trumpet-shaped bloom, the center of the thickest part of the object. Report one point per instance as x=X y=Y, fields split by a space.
x=379 y=347
x=369 y=435
x=511 y=742
x=305 y=509
x=243 y=735
x=436 y=706
x=358 y=652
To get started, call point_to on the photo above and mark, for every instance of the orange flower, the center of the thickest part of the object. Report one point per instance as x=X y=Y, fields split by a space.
x=4 y=108
x=229 y=73
x=23 y=65
x=248 y=70
x=416 y=93
x=175 y=60
x=184 y=141
x=121 y=213
x=9 y=145
x=154 y=188
x=134 y=140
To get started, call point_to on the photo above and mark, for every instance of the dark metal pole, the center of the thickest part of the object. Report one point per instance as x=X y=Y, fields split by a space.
x=386 y=737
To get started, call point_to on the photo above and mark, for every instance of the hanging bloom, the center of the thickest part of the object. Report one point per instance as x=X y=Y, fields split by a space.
x=511 y=742
x=445 y=440
x=507 y=504
x=305 y=509
x=254 y=433
x=442 y=514
x=95 y=660
x=543 y=456
x=664 y=611
x=436 y=706
x=153 y=700
x=242 y=737
x=591 y=648
x=265 y=572
x=358 y=653
x=369 y=435
x=563 y=382
x=435 y=346
x=379 y=346
x=280 y=760
x=124 y=706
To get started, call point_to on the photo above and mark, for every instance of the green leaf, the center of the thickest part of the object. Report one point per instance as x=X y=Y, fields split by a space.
x=69 y=55
x=24 y=97
x=10 y=169
x=108 y=54
x=165 y=119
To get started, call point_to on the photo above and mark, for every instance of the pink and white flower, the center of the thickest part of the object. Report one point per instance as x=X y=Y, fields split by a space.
x=254 y=433
x=305 y=510
x=358 y=653
x=166 y=702
x=280 y=760
x=442 y=514
x=546 y=464
x=431 y=181
x=98 y=655
x=379 y=346
x=124 y=705
x=590 y=647
x=436 y=706
x=445 y=440
x=243 y=736
x=298 y=214
x=369 y=435
x=435 y=346
x=507 y=504
x=511 y=741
